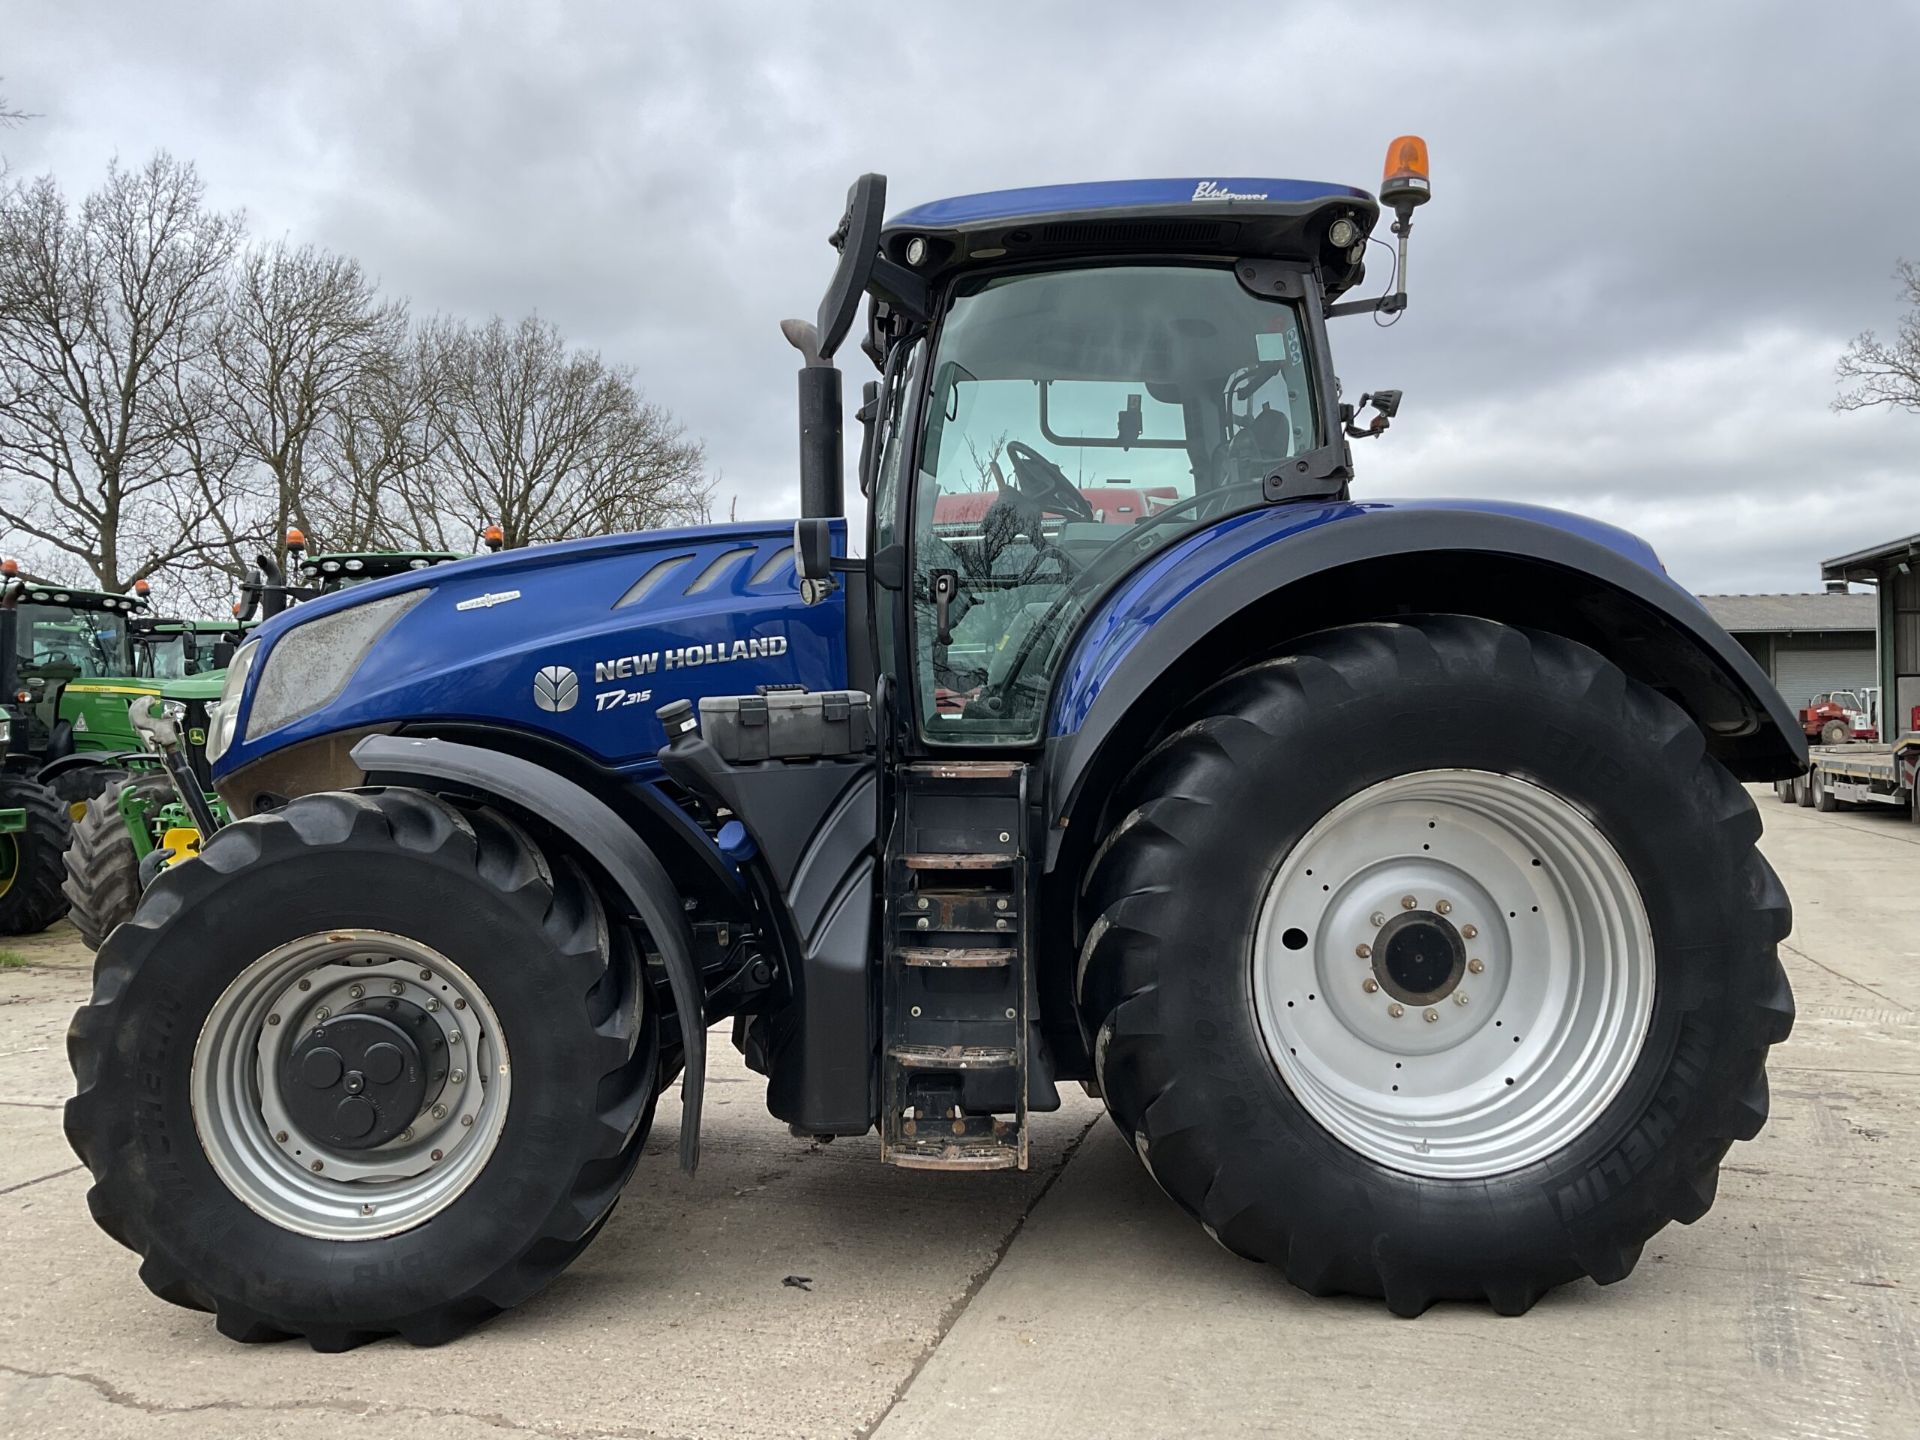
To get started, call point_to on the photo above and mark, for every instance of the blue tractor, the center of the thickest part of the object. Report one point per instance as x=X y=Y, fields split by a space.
x=1383 y=866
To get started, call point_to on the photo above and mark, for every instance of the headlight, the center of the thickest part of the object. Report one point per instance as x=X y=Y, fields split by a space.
x=6 y=729
x=174 y=710
x=311 y=664
x=222 y=713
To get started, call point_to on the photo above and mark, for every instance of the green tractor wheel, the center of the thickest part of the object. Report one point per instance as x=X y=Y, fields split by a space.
x=32 y=858
x=103 y=861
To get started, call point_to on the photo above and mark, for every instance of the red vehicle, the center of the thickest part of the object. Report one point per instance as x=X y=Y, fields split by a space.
x=1836 y=717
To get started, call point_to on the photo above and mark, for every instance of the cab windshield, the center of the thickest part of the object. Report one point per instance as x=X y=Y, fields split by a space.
x=1076 y=421
x=58 y=642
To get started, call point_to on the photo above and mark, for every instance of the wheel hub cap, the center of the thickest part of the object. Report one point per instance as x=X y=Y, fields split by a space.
x=356 y=1081
x=350 y=1084
x=1453 y=972
x=1419 y=957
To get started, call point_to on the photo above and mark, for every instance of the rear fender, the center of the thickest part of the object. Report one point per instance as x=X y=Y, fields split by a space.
x=1239 y=590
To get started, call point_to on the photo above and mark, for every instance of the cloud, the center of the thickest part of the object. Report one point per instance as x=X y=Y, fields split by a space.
x=1654 y=225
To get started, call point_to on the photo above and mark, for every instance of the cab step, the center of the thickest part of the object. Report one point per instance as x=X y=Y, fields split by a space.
x=953 y=957
x=955 y=993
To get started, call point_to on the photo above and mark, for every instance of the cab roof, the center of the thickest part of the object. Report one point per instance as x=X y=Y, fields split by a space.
x=1229 y=216
x=32 y=591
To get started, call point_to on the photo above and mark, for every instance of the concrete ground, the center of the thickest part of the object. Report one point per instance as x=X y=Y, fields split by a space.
x=1071 y=1301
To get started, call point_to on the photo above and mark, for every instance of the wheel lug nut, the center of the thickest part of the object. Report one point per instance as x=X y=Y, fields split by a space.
x=459 y=1077
x=432 y=1006
x=356 y=991
x=316 y=1167
x=466 y=1119
x=1369 y=985
x=439 y=1155
x=1476 y=966
x=397 y=987
x=426 y=974
x=1407 y=902
x=1432 y=1015
x=1444 y=907
x=1396 y=1010
x=407 y=1134
x=1376 y=919
x=280 y=1136
x=306 y=984
x=453 y=1037
x=1365 y=952
x=439 y=1112
x=273 y=1019
x=1459 y=997
x=1470 y=931
x=459 y=1004
x=322 y=1013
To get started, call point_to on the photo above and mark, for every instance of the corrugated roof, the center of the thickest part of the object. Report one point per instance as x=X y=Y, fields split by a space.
x=1865 y=564
x=1778 y=614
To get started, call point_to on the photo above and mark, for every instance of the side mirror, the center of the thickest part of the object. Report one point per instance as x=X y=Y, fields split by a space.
x=813 y=549
x=223 y=653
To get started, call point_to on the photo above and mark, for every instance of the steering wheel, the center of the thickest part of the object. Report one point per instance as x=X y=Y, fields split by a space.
x=1045 y=483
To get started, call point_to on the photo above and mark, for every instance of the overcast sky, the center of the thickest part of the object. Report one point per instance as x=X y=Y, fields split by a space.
x=1654 y=226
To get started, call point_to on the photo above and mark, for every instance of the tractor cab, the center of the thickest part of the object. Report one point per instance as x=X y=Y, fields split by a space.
x=57 y=641
x=306 y=576
x=1073 y=377
x=169 y=649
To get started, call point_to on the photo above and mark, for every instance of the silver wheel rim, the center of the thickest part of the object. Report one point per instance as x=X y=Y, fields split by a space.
x=1548 y=976
x=285 y=1174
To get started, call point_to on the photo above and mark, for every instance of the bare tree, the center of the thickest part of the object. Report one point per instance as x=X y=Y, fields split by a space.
x=374 y=463
x=101 y=313
x=299 y=332
x=1883 y=372
x=548 y=442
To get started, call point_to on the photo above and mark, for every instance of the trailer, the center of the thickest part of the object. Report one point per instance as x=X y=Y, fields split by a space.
x=1858 y=775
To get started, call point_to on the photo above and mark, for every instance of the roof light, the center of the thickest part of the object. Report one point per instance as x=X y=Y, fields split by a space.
x=356 y=564
x=332 y=567
x=916 y=250
x=418 y=564
x=296 y=540
x=1405 y=181
x=143 y=587
x=494 y=537
x=9 y=566
x=1342 y=233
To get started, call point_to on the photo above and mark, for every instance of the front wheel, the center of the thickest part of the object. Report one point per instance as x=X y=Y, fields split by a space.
x=370 y=1065
x=1434 y=961
x=103 y=881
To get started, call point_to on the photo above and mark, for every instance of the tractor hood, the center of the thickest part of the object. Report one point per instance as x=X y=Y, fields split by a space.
x=579 y=643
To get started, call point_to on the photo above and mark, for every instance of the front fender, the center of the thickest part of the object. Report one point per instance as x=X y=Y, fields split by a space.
x=522 y=787
x=1241 y=588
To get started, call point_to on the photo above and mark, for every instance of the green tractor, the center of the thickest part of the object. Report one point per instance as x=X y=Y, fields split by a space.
x=67 y=675
x=134 y=824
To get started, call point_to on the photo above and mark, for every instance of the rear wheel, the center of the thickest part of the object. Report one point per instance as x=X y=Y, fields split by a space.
x=103 y=870
x=370 y=1065
x=1434 y=961
x=1835 y=732
x=1822 y=797
x=32 y=860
